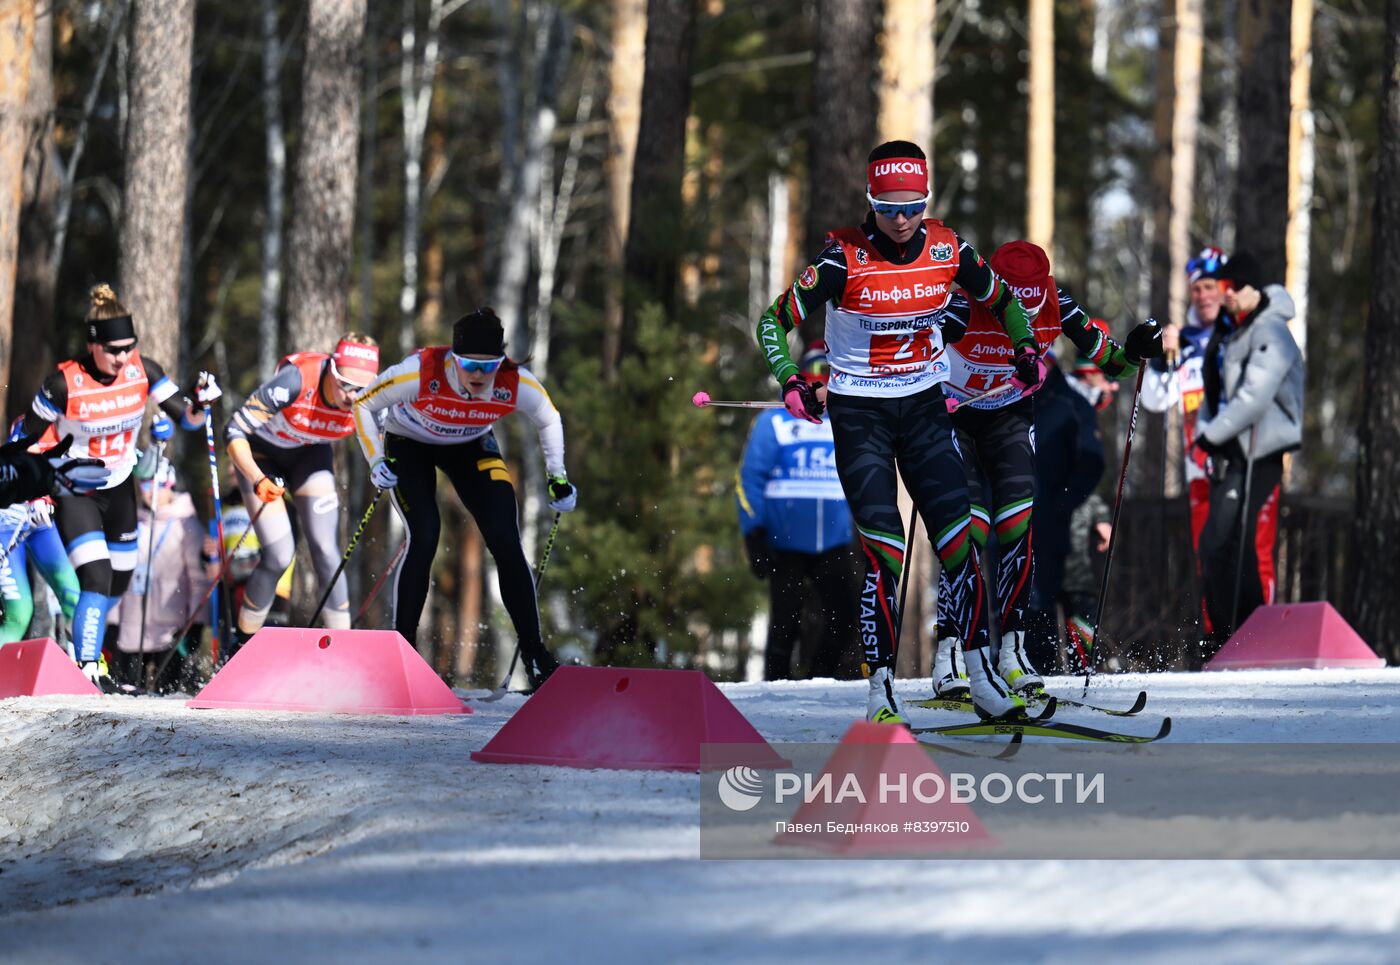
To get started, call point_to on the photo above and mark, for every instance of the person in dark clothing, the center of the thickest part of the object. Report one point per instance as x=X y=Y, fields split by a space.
x=1069 y=462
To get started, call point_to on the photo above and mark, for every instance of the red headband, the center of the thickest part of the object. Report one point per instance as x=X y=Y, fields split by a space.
x=897 y=174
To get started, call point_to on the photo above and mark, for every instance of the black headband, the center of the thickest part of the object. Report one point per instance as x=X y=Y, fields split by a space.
x=479 y=333
x=111 y=329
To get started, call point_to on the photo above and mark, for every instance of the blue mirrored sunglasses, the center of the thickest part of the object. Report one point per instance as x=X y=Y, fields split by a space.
x=478 y=365
x=893 y=209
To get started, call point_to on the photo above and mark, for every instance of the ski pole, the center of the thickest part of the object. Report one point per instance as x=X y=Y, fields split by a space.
x=504 y=688
x=349 y=549
x=955 y=404
x=195 y=612
x=908 y=572
x=1113 y=532
x=150 y=556
x=379 y=584
x=702 y=400
x=219 y=528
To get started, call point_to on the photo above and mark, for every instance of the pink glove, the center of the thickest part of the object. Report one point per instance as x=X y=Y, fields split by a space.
x=800 y=399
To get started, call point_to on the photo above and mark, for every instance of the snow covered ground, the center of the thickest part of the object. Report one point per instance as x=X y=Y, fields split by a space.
x=137 y=830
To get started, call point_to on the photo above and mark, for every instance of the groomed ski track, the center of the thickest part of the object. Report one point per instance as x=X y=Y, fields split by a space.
x=136 y=830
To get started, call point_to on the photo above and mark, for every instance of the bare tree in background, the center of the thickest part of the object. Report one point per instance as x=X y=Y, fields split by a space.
x=323 y=203
x=907 y=62
x=275 y=152
x=1376 y=605
x=1040 y=127
x=417 y=79
x=1302 y=154
x=16 y=51
x=550 y=61
x=654 y=235
x=625 y=71
x=157 y=169
x=1261 y=206
x=844 y=111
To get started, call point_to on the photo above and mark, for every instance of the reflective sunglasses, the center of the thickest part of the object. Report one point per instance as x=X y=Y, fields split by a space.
x=893 y=209
x=479 y=365
x=123 y=349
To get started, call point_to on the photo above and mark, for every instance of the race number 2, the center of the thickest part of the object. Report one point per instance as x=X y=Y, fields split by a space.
x=901 y=352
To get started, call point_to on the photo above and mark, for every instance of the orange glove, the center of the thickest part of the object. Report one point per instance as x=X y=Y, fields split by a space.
x=269 y=489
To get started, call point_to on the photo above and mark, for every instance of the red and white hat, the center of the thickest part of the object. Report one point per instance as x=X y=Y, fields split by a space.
x=1026 y=268
x=355 y=362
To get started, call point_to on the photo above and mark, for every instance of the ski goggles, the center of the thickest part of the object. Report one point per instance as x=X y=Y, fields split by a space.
x=478 y=365
x=893 y=209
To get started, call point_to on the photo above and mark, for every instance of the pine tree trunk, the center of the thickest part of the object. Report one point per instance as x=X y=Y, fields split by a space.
x=1040 y=128
x=34 y=281
x=1375 y=604
x=655 y=237
x=1301 y=161
x=275 y=153
x=16 y=52
x=417 y=81
x=323 y=206
x=844 y=111
x=907 y=61
x=157 y=170
x=1261 y=206
x=625 y=73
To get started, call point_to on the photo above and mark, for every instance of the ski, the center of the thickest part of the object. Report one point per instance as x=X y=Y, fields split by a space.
x=955 y=704
x=1005 y=754
x=1049 y=728
x=1132 y=711
x=1047 y=710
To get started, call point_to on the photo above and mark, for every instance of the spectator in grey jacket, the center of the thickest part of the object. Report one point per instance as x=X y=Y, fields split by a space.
x=1254 y=400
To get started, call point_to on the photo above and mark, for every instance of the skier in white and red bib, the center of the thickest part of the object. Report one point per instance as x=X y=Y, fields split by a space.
x=100 y=400
x=998 y=444
x=280 y=441
x=439 y=407
x=887 y=281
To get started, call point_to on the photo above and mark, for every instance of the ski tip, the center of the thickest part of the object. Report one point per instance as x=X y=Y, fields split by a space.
x=1139 y=704
x=1048 y=710
x=700 y=399
x=1165 y=729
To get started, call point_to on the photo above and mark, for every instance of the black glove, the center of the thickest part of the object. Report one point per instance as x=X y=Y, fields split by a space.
x=1027 y=365
x=760 y=558
x=952 y=326
x=1144 y=342
x=23 y=475
x=1206 y=446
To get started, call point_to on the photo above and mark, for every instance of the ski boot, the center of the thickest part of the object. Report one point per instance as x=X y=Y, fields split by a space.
x=236 y=642
x=884 y=706
x=950 y=670
x=539 y=665
x=1014 y=666
x=96 y=671
x=992 y=697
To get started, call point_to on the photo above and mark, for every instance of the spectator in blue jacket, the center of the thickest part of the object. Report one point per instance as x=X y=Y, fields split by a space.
x=797 y=528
